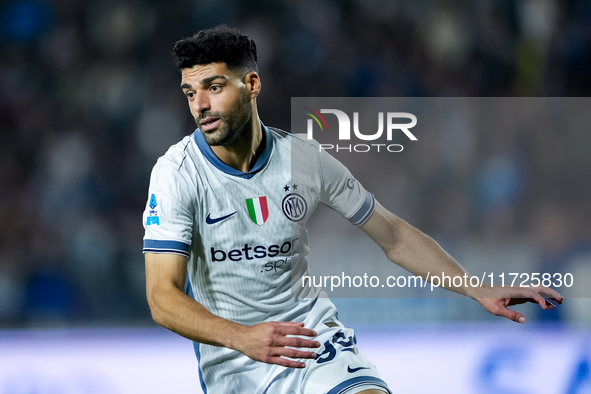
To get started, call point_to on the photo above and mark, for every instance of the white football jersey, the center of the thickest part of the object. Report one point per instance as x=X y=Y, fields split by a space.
x=244 y=234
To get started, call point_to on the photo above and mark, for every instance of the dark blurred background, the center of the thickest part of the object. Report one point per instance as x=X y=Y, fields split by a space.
x=89 y=99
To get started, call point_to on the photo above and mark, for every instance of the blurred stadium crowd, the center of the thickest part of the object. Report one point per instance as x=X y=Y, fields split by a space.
x=89 y=99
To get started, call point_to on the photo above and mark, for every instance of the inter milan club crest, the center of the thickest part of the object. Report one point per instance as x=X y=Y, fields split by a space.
x=257 y=209
x=294 y=207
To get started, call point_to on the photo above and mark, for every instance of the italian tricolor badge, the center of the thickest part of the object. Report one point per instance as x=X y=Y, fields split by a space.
x=257 y=209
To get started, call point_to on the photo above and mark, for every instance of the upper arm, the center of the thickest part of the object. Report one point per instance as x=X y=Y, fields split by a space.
x=342 y=192
x=164 y=271
x=385 y=228
x=168 y=217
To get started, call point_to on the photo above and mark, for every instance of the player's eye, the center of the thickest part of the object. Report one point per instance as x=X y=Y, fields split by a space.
x=190 y=95
x=215 y=88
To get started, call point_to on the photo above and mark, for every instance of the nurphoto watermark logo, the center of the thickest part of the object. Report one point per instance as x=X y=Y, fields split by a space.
x=393 y=125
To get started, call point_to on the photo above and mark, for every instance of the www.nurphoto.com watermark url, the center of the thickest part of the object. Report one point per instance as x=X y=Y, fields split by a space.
x=435 y=281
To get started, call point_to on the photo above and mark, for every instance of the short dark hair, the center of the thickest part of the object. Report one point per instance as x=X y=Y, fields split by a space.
x=219 y=44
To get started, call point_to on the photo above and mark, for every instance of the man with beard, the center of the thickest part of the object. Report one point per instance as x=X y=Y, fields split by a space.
x=225 y=230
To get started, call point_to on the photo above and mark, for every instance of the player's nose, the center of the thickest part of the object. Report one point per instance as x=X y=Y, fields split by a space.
x=201 y=102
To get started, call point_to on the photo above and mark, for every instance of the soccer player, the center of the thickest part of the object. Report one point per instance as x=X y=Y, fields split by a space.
x=225 y=229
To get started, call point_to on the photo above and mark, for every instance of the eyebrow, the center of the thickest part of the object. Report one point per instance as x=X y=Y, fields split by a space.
x=204 y=81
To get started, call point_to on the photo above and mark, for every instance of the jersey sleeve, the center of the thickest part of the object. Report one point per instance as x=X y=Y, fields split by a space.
x=343 y=193
x=168 y=218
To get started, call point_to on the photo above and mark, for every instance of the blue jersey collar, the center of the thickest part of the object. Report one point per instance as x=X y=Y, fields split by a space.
x=220 y=165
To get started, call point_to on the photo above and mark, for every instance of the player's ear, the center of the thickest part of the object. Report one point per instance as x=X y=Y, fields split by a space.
x=253 y=83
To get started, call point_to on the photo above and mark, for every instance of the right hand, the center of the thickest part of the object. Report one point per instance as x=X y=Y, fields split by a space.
x=267 y=342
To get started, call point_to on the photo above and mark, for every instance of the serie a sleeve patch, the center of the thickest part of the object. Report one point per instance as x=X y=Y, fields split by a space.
x=153 y=218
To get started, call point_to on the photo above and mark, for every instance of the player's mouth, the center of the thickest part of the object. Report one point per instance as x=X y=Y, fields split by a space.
x=209 y=123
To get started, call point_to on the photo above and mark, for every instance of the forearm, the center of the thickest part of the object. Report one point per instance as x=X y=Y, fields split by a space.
x=176 y=311
x=412 y=249
x=421 y=255
x=173 y=309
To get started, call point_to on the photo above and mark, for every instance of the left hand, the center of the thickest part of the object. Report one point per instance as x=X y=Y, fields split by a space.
x=496 y=300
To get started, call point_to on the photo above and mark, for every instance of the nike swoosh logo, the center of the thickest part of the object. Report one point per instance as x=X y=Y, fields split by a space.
x=209 y=220
x=351 y=370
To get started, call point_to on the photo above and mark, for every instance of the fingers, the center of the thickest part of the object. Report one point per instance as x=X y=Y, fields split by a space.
x=547 y=292
x=291 y=328
x=546 y=304
x=550 y=305
x=517 y=295
x=526 y=296
x=543 y=292
x=286 y=363
x=509 y=314
x=540 y=300
x=297 y=342
x=284 y=347
x=293 y=353
x=537 y=295
x=277 y=355
x=281 y=344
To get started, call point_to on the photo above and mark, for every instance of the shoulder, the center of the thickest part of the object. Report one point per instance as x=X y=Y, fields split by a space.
x=176 y=154
x=294 y=142
x=301 y=155
x=170 y=168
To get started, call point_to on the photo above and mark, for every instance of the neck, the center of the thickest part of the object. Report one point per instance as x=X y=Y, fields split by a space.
x=242 y=155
